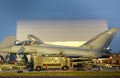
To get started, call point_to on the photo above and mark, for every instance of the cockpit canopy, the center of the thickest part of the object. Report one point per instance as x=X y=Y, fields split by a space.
x=32 y=39
x=27 y=42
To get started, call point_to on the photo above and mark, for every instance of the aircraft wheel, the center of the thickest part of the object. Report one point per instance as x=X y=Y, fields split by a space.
x=65 y=68
x=38 y=68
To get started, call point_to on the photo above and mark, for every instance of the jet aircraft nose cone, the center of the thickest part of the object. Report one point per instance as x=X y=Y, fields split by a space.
x=8 y=49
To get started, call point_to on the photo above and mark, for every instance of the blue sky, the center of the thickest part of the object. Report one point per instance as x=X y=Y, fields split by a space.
x=13 y=10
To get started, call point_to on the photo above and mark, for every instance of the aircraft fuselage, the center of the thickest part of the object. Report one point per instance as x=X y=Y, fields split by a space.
x=53 y=49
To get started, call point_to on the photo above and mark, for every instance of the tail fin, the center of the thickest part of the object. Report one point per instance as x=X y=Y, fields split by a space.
x=101 y=41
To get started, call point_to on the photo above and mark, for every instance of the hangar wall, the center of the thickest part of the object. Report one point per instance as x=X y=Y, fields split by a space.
x=68 y=33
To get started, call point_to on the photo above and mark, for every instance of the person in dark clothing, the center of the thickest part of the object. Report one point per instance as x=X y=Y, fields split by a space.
x=25 y=59
x=31 y=64
x=2 y=58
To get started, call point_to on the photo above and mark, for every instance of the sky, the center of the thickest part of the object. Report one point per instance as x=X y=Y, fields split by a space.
x=13 y=10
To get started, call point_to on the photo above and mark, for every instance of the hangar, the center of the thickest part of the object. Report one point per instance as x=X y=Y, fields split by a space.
x=61 y=32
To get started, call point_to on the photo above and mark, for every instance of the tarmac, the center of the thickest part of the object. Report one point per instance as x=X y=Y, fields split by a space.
x=60 y=77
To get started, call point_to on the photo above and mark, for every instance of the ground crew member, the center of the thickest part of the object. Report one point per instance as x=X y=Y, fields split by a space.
x=110 y=59
x=1 y=58
x=31 y=64
x=46 y=66
x=119 y=59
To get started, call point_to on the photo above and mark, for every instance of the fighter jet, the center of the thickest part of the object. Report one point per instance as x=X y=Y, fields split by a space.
x=92 y=48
